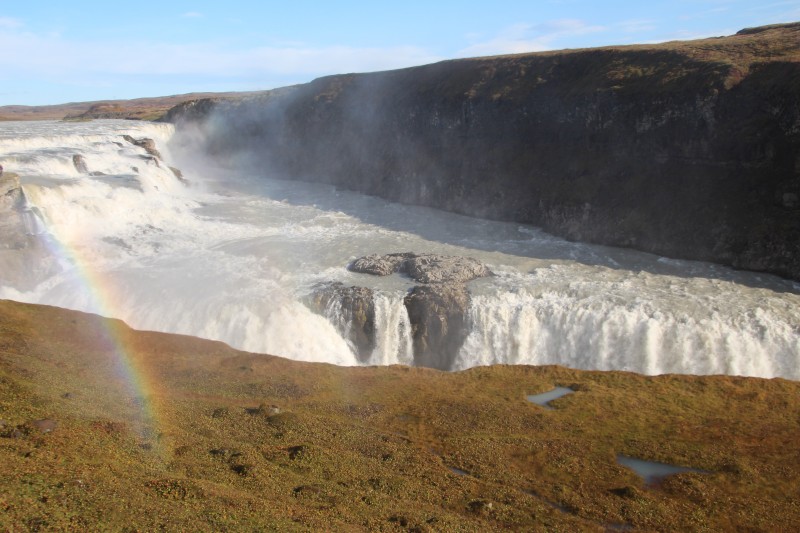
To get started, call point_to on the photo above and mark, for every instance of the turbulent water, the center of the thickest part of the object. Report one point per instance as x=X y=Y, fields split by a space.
x=233 y=256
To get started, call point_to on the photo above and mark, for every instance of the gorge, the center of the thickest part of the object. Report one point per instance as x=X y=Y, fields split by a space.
x=687 y=149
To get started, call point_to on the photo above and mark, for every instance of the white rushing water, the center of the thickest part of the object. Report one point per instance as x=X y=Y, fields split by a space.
x=232 y=257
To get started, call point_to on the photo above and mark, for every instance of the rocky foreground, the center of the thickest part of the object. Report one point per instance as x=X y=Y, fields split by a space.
x=208 y=438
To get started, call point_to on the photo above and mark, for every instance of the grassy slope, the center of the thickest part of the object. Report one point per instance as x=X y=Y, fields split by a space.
x=371 y=448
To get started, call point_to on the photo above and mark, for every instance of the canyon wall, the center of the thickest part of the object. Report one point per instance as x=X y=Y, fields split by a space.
x=686 y=149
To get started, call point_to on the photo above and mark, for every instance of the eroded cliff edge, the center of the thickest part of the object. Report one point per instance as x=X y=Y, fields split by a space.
x=686 y=149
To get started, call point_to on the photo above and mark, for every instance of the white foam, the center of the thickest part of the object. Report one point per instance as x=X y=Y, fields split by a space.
x=232 y=256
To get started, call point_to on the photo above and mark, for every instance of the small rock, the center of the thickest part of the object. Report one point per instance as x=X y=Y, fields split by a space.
x=149 y=145
x=378 y=265
x=80 y=164
x=242 y=470
x=424 y=268
x=46 y=425
x=296 y=451
x=220 y=412
x=178 y=174
x=479 y=506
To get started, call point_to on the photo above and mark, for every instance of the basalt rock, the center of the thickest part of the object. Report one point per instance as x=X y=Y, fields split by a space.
x=431 y=268
x=436 y=310
x=352 y=310
x=80 y=164
x=149 y=145
x=438 y=315
x=423 y=268
x=378 y=265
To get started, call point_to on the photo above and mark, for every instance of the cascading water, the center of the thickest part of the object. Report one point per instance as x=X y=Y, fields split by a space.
x=394 y=345
x=233 y=256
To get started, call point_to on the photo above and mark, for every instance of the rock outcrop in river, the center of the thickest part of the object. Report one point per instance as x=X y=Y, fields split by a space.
x=437 y=309
x=684 y=149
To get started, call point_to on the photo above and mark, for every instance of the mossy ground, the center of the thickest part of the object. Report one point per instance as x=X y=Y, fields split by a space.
x=389 y=448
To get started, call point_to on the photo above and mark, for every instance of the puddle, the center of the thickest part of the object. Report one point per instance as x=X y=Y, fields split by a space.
x=545 y=398
x=651 y=471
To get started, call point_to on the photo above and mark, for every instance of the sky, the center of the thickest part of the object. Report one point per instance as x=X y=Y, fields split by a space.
x=56 y=52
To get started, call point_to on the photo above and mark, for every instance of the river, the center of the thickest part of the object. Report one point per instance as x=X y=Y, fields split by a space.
x=232 y=256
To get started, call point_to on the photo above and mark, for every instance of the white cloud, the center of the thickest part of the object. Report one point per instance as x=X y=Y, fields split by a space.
x=10 y=23
x=52 y=57
x=521 y=38
x=192 y=15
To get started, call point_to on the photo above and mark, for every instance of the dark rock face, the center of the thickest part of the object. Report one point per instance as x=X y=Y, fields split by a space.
x=352 y=309
x=80 y=164
x=437 y=310
x=424 y=268
x=438 y=320
x=149 y=145
x=690 y=150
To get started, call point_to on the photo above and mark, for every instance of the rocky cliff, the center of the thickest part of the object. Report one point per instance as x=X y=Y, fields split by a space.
x=685 y=149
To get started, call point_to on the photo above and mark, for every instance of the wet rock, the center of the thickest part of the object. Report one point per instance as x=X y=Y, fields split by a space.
x=352 y=311
x=80 y=164
x=178 y=174
x=378 y=265
x=149 y=159
x=430 y=268
x=149 y=145
x=423 y=268
x=438 y=315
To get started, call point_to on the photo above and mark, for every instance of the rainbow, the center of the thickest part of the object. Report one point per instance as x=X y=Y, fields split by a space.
x=101 y=298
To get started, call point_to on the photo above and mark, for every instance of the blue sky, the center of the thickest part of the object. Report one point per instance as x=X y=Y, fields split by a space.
x=55 y=52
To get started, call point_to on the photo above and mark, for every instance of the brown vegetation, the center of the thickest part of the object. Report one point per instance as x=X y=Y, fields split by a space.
x=253 y=442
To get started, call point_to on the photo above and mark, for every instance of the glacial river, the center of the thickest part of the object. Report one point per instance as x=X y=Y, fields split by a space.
x=232 y=256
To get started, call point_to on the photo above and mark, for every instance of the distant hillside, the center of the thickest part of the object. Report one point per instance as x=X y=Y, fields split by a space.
x=137 y=109
x=685 y=149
